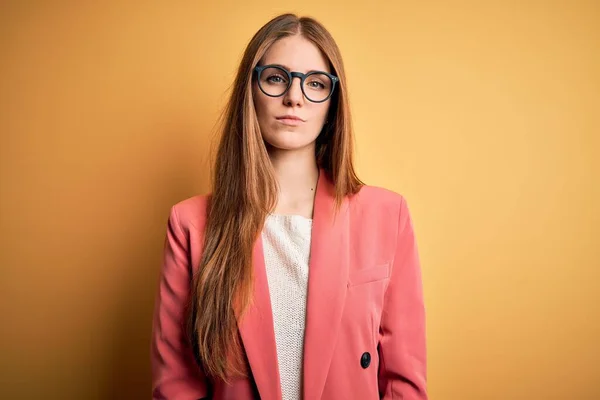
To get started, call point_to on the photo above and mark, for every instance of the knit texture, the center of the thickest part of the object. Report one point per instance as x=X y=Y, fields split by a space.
x=286 y=246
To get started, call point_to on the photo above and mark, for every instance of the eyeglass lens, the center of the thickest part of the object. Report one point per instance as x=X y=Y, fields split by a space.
x=275 y=81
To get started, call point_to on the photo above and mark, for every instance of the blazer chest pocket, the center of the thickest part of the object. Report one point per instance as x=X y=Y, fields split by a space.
x=367 y=275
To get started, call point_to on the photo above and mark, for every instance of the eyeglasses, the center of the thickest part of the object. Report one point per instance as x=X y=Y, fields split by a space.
x=275 y=81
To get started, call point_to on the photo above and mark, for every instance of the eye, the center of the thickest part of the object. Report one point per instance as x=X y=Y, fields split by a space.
x=316 y=85
x=317 y=82
x=276 y=78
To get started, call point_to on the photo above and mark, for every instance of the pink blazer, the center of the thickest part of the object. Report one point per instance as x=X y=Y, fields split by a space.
x=365 y=321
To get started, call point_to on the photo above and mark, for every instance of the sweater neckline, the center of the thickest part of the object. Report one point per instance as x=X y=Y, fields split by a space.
x=290 y=217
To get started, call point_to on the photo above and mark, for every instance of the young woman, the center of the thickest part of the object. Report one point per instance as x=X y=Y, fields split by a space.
x=292 y=279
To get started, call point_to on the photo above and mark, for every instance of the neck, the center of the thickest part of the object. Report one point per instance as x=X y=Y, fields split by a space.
x=297 y=174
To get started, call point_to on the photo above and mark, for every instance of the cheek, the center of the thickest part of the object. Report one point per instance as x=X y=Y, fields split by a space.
x=321 y=113
x=263 y=107
x=259 y=102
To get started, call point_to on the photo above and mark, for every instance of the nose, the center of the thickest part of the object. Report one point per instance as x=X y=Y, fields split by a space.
x=294 y=95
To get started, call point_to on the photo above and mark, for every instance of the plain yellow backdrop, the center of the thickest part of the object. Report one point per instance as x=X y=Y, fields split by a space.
x=484 y=114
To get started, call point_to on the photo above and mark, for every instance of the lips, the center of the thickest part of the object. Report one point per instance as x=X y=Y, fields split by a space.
x=290 y=117
x=290 y=120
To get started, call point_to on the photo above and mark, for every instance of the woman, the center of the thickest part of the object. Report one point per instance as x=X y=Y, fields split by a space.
x=292 y=279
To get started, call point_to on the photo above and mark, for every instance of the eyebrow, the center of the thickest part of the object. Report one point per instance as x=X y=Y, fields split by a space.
x=289 y=69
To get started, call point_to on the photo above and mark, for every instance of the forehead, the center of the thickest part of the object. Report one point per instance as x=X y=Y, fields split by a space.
x=297 y=54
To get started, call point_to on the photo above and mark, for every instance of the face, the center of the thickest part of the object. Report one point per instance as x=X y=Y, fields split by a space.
x=296 y=54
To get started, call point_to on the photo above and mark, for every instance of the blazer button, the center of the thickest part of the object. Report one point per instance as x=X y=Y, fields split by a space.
x=365 y=360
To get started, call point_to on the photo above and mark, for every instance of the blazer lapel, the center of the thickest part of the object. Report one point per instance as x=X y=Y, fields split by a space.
x=327 y=278
x=327 y=284
x=258 y=334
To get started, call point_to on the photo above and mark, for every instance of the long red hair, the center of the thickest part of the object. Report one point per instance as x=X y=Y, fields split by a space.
x=245 y=191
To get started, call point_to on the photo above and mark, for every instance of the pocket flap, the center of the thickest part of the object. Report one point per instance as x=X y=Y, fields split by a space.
x=371 y=274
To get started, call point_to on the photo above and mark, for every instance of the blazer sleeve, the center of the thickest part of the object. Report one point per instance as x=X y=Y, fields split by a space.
x=175 y=374
x=402 y=346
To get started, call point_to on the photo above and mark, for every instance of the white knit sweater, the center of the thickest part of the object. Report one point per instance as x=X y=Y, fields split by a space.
x=286 y=246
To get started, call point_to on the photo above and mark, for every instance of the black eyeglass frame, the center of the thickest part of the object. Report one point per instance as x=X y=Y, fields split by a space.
x=293 y=74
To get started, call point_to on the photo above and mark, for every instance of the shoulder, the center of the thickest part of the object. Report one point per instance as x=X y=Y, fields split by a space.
x=376 y=197
x=191 y=212
x=381 y=205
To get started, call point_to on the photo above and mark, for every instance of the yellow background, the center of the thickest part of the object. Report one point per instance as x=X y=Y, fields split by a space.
x=483 y=114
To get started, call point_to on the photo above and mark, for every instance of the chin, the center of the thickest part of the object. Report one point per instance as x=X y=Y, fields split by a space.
x=288 y=138
x=282 y=144
x=287 y=146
